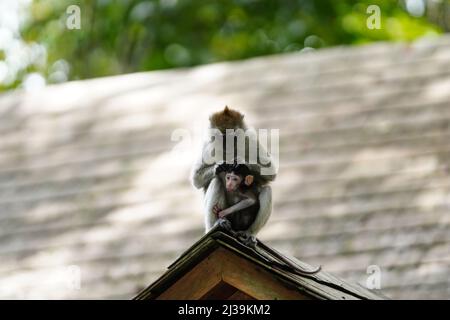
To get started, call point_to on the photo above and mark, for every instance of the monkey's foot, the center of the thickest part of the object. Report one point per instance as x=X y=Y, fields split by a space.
x=251 y=242
x=247 y=239
x=224 y=223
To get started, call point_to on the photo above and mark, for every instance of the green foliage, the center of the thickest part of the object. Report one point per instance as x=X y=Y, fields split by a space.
x=120 y=36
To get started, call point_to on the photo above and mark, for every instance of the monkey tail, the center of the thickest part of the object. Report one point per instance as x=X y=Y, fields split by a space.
x=268 y=254
x=289 y=265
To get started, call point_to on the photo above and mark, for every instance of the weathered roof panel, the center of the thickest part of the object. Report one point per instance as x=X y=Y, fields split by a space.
x=90 y=177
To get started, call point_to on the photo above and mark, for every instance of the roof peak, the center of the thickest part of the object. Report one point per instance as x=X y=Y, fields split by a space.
x=320 y=285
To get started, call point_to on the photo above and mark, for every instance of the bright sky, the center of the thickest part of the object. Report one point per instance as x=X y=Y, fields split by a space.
x=17 y=54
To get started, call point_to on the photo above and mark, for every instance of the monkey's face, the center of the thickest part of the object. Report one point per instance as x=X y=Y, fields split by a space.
x=232 y=181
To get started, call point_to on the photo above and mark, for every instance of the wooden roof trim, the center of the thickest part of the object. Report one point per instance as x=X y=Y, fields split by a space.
x=324 y=285
x=218 y=269
x=308 y=287
x=320 y=286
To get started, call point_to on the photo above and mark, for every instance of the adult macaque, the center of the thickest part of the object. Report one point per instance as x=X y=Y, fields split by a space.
x=238 y=195
x=204 y=173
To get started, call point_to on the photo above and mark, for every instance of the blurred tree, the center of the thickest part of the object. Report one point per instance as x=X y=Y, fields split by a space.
x=120 y=36
x=438 y=12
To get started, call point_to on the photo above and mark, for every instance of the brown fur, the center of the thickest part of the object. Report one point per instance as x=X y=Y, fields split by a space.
x=227 y=119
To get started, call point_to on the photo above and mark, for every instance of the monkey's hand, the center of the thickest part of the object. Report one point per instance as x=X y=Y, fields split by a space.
x=222 y=167
x=216 y=209
x=222 y=214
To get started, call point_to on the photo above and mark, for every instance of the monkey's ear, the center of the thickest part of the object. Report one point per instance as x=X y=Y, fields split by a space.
x=248 y=180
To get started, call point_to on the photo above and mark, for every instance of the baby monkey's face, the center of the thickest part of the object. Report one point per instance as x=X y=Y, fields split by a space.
x=232 y=181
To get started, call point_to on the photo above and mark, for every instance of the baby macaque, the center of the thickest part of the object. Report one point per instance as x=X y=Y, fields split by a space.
x=241 y=196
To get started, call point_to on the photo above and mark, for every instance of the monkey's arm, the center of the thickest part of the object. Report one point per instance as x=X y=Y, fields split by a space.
x=203 y=172
x=265 y=209
x=238 y=206
x=202 y=175
x=250 y=199
x=215 y=195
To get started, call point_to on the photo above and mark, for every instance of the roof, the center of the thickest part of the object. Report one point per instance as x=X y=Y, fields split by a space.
x=89 y=176
x=321 y=285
